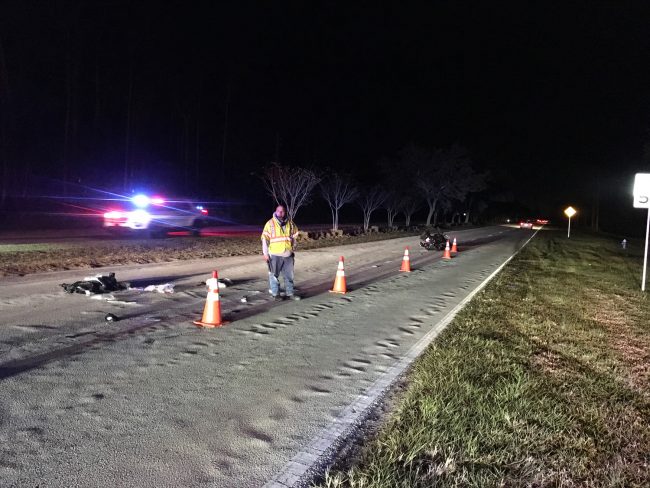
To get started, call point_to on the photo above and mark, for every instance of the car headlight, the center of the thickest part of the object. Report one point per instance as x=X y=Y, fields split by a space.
x=140 y=217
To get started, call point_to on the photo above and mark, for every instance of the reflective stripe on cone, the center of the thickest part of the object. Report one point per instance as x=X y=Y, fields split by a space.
x=212 y=310
x=339 y=283
x=406 y=262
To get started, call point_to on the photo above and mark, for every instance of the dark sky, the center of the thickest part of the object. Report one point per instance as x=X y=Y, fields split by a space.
x=546 y=95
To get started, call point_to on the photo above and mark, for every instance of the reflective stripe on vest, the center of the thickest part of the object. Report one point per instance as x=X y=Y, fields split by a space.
x=279 y=241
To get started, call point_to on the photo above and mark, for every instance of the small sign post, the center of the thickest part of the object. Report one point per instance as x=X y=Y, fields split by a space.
x=569 y=212
x=642 y=200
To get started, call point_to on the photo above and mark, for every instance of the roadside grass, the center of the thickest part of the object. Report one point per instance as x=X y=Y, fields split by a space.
x=20 y=259
x=542 y=380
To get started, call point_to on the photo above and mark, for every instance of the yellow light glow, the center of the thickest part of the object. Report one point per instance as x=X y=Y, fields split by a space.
x=570 y=212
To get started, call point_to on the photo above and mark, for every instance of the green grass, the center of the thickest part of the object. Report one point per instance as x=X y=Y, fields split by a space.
x=542 y=380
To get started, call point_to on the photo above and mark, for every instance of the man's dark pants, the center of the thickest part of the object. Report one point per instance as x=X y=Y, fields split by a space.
x=277 y=265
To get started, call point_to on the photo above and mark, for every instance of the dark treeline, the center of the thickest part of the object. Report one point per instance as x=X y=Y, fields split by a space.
x=197 y=98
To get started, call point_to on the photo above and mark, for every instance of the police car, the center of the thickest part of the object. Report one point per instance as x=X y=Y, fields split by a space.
x=153 y=216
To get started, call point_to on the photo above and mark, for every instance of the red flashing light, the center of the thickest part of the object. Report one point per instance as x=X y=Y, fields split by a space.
x=204 y=211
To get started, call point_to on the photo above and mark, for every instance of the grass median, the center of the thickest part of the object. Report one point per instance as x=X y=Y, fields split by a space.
x=21 y=259
x=542 y=380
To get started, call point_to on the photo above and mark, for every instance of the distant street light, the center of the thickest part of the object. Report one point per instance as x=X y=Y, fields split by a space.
x=569 y=212
x=642 y=200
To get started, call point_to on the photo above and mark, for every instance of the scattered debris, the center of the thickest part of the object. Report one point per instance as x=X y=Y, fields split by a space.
x=110 y=317
x=92 y=285
x=223 y=283
x=165 y=288
x=101 y=296
x=244 y=300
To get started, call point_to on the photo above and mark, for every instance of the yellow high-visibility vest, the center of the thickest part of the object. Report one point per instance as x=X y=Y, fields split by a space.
x=279 y=240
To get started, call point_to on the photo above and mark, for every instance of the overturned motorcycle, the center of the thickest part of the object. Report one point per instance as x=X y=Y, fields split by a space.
x=434 y=240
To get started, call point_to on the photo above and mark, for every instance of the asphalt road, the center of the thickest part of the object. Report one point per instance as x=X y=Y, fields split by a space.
x=151 y=400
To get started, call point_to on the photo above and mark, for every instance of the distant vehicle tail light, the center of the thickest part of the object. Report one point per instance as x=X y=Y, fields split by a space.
x=114 y=214
x=204 y=211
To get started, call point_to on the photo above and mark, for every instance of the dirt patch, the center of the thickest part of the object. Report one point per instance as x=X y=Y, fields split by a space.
x=610 y=318
x=549 y=362
x=631 y=348
x=24 y=259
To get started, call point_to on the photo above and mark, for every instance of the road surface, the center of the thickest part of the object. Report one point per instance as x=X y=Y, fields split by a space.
x=153 y=401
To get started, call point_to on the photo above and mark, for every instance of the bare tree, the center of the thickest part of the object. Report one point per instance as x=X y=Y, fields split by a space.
x=445 y=207
x=401 y=176
x=444 y=174
x=430 y=174
x=371 y=200
x=465 y=180
x=391 y=204
x=408 y=206
x=290 y=186
x=337 y=190
x=433 y=190
x=474 y=204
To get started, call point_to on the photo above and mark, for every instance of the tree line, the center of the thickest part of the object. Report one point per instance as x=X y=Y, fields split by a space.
x=443 y=181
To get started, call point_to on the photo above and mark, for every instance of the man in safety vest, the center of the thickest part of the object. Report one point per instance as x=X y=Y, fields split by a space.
x=278 y=244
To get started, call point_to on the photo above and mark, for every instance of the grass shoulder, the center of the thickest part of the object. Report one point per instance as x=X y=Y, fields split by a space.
x=542 y=380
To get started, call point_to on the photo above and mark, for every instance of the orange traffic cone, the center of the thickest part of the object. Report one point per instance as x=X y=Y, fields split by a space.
x=339 y=282
x=212 y=309
x=446 y=254
x=454 y=249
x=406 y=262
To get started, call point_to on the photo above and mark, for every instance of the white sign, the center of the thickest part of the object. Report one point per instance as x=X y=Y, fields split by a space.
x=642 y=190
x=642 y=200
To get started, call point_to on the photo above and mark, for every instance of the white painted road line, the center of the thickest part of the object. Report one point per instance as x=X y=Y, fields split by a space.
x=303 y=465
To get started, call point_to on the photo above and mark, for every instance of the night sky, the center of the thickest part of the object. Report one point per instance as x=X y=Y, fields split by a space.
x=552 y=98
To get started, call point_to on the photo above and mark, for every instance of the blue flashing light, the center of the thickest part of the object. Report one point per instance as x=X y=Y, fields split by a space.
x=140 y=201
